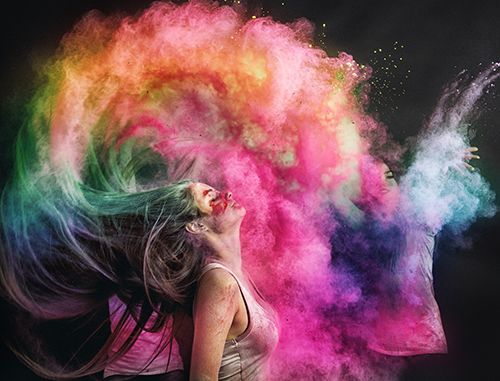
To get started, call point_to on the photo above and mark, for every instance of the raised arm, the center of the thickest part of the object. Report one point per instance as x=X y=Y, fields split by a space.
x=215 y=308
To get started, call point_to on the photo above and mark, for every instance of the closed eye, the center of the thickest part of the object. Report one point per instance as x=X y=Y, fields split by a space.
x=389 y=175
x=207 y=192
x=211 y=194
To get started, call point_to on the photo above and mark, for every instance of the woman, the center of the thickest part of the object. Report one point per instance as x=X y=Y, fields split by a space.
x=391 y=256
x=146 y=248
x=235 y=331
x=407 y=320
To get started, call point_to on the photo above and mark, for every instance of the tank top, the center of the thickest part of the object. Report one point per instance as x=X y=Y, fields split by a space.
x=246 y=357
x=137 y=360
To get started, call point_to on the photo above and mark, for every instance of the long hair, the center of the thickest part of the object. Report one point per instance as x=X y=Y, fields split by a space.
x=69 y=242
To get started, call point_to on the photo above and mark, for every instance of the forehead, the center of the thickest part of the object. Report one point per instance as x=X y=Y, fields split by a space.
x=199 y=186
x=198 y=189
x=384 y=167
x=375 y=168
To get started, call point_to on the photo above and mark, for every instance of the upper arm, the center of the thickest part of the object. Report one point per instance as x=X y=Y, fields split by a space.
x=184 y=336
x=215 y=308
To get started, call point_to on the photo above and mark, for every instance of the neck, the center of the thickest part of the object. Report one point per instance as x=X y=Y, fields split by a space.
x=227 y=249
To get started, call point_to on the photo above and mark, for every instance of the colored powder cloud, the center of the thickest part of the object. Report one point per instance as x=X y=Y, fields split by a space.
x=261 y=113
x=439 y=189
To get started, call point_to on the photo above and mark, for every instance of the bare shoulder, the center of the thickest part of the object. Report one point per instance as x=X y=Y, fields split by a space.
x=217 y=288
x=217 y=293
x=218 y=279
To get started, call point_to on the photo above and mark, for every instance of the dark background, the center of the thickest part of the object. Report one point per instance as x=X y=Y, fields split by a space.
x=435 y=39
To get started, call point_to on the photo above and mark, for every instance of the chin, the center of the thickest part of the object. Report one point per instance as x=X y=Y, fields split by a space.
x=235 y=214
x=241 y=210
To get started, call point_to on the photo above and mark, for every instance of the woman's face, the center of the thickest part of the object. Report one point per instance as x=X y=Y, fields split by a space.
x=388 y=180
x=221 y=210
x=389 y=190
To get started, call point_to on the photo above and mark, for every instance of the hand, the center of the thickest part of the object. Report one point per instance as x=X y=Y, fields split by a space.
x=468 y=155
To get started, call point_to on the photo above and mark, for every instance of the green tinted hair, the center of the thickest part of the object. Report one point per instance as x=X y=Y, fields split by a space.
x=73 y=238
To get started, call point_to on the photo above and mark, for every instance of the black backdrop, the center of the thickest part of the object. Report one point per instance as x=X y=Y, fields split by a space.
x=435 y=39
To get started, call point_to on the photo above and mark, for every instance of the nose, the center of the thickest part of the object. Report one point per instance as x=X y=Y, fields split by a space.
x=229 y=196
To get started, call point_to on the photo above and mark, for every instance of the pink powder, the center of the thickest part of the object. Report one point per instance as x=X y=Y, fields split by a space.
x=266 y=115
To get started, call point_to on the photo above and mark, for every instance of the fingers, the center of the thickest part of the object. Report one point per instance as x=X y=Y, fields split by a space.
x=469 y=156
x=469 y=167
x=472 y=149
x=462 y=168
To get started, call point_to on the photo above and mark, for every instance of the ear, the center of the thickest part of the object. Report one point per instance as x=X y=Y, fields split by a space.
x=196 y=227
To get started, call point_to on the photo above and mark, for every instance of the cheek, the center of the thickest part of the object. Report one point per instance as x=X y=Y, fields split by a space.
x=392 y=197
x=392 y=184
x=205 y=208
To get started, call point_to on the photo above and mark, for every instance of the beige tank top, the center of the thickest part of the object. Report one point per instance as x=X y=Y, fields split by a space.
x=246 y=357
